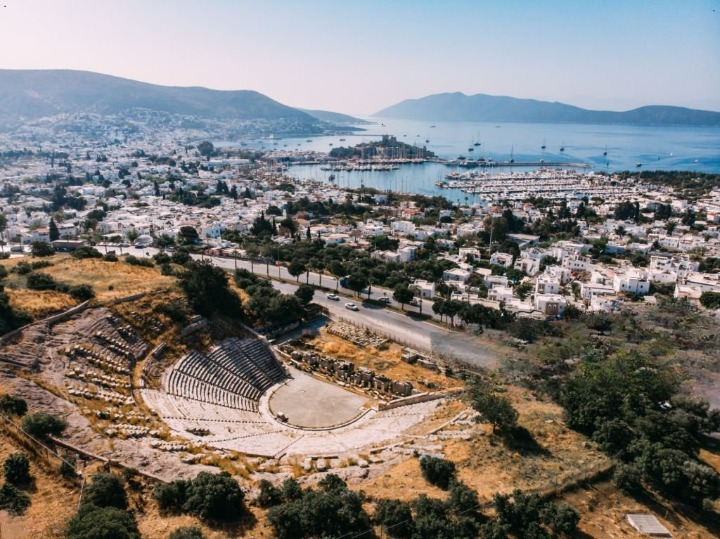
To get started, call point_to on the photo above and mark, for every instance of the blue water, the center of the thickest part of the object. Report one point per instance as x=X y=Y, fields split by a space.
x=655 y=148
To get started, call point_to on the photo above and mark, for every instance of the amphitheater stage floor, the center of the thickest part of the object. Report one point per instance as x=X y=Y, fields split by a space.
x=312 y=403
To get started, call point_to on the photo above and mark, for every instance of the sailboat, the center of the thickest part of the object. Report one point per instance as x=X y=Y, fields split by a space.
x=605 y=152
x=562 y=148
x=544 y=145
x=512 y=151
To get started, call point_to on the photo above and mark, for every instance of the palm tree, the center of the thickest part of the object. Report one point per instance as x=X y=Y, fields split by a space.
x=251 y=251
x=438 y=308
x=319 y=266
x=3 y=227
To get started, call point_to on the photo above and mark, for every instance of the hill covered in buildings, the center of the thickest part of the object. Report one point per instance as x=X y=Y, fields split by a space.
x=33 y=94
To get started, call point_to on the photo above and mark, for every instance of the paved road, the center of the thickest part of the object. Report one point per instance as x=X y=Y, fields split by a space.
x=399 y=326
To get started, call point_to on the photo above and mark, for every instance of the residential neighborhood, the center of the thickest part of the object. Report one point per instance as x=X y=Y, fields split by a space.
x=530 y=255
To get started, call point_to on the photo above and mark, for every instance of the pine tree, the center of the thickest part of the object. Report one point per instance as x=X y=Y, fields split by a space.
x=54 y=232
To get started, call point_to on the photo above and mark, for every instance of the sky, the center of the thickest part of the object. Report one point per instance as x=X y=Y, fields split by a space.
x=360 y=56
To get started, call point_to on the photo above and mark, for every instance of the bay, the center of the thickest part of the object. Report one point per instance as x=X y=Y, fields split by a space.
x=653 y=148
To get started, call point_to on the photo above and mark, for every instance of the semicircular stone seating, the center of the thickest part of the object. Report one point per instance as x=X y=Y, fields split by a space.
x=234 y=374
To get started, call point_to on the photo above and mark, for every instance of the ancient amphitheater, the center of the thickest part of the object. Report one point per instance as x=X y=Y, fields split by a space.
x=237 y=396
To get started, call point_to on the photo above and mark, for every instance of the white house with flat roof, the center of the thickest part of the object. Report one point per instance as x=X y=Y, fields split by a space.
x=632 y=281
x=455 y=275
x=425 y=289
x=550 y=304
x=504 y=260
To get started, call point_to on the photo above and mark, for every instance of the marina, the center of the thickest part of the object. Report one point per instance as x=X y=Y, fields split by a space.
x=551 y=184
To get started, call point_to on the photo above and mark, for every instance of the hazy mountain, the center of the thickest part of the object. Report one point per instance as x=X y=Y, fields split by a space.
x=488 y=108
x=335 y=117
x=28 y=94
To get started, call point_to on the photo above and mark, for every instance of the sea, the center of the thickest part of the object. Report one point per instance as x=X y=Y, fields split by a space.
x=608 y=148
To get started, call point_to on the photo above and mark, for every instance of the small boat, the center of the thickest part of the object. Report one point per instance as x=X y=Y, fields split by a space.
x=638 y=165
x=432 y=126
x=342 y=140
x=427 y=141
x=309 y=140
x=471 y=149
x=476 y=144
x=605 y=152
x=544 y=145
x=562 y=148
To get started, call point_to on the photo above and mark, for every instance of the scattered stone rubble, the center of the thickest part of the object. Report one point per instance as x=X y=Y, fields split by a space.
x=361 y=337
x=344 y=372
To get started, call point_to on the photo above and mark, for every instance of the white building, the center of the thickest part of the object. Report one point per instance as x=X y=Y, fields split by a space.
x=425 y=289
x=633 y=281
x=456 y=275
x=577 y=263
x=531 y=266
x=550 y=304
x=403 y=227
x=546 y=284
x=500 y=293
x=504 y=260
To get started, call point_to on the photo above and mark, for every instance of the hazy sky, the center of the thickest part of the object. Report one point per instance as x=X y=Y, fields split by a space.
x=361 y=56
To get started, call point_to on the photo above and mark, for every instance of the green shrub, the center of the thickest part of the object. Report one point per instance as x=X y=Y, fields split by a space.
x=437 y=471
x=92 y=522
x=215 y=497
x=41 y=281
x=42 y=425
x=162 y=258
x=22 y=268
x=106 y=490
x=181 y=257
x=16 y=469
x=335 y=512
x=710 y=300
x=110 y=257
x=42 y=248
x=13 y=500
x=187 y=532
x=82 y=292
x=67 y=468
x=463 y=500
x=135 y=261
x=171 y=496
x=395 y=518
x=495 y=409
x=40 y=264
x=269 y=495
x=86 y=252
x=13 y=405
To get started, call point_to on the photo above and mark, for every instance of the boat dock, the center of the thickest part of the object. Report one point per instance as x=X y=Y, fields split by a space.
x=469 y=163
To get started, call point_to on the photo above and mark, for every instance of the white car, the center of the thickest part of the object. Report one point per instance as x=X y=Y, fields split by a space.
x=333 y=297
x=351 y=306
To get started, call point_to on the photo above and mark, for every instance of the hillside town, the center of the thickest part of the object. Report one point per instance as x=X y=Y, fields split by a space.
x=531 y=255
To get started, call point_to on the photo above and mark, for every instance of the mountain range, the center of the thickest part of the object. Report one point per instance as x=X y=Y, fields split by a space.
x=487 y=108
x=31 y=94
